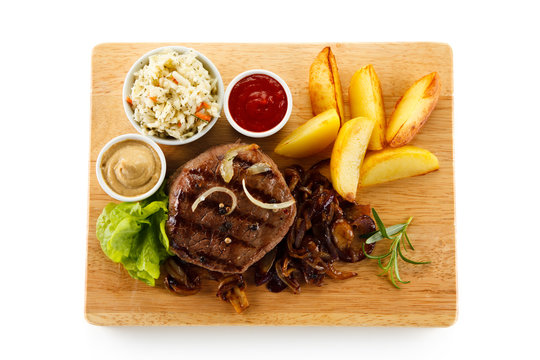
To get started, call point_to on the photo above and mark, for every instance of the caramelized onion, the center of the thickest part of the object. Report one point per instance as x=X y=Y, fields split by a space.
x=299 y=253
x=275 y=285
x=264 y=267
x=300 y=232
x=293 y=176
x=212 y=190
x=285 y=274
x=180 y=278
x=339 y=275
x=260 y=204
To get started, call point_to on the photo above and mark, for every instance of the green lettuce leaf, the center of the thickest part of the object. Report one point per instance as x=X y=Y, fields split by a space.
x=133 y=234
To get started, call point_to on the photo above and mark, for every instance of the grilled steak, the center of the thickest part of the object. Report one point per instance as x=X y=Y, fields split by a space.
x=210 y=238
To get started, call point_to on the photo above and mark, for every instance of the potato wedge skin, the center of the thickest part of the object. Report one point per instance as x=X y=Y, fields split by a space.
x=396 y=163
x=337 y=86
x=311 y=137
x=365 y=96
x=413 y=109
x=324 y=84
x=347 y=155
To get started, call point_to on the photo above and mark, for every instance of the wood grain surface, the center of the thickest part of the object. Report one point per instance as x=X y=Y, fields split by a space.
x=114 y=298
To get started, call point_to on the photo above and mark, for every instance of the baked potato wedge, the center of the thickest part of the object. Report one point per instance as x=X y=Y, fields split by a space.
x=347 y=155
x=365 y=97
x=324 y=84
x=311 y=137
x=396 y=163
x=413 y=110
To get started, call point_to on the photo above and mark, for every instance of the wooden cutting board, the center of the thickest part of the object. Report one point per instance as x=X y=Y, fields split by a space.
x=114 y=298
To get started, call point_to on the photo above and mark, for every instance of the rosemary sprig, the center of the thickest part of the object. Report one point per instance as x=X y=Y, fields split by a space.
x=395 y=233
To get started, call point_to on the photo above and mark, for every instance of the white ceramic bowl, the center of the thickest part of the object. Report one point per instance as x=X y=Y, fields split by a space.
x=254 y=134
x=130 y=79
x=121 y=138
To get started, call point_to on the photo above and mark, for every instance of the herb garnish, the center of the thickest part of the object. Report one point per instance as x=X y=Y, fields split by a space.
x=396 y=233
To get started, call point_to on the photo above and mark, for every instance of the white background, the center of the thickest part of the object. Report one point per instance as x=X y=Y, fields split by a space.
x=44 y=117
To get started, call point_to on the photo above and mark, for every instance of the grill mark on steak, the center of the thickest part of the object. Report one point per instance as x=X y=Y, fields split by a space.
x=207 y=229
x=198 y=255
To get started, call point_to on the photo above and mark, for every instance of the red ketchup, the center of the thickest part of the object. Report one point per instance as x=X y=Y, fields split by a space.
x=257 y=103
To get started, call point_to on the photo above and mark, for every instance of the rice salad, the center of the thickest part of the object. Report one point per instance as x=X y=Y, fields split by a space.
x=174 y=96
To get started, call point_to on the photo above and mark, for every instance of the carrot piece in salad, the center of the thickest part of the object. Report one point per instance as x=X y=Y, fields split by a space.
x=173 y=79
x=203 y=105
x=129 y=101
x=154 y=99
x=202 y=116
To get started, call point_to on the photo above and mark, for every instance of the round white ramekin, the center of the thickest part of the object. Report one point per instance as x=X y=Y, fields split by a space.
x=255 y=134
x=143 y=60
x=121 y=138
